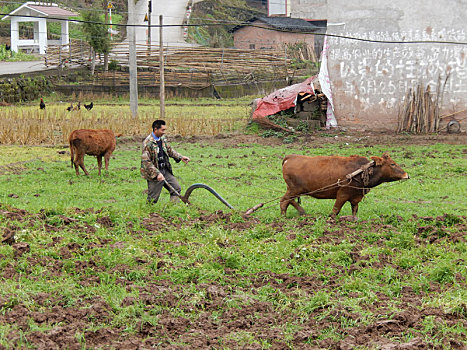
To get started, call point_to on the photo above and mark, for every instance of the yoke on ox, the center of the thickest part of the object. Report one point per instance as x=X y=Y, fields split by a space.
x=345 y=179
x=99 y=143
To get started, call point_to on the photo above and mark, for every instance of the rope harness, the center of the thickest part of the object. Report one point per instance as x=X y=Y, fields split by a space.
x=365 y=170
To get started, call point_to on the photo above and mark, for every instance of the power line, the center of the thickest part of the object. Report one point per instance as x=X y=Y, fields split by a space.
x=249 y=24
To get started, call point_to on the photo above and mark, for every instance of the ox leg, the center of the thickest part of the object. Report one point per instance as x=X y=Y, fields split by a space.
x=297 y=206
x=284 y=204
x=99 y=164
x=354 y=203
x=286 y=201
x=74 y=163
x=106 y=159
x=81 y=164
x=340 y=201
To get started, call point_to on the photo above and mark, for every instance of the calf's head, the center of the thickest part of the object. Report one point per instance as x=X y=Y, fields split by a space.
x=388 y=169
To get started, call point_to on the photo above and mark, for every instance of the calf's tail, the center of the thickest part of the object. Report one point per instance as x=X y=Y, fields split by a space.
x=72 y=152
x=285 y=159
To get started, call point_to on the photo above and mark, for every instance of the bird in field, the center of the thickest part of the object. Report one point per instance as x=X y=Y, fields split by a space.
x=70 y=107
x=42 y=104
x=77 y=107
x=89 y=106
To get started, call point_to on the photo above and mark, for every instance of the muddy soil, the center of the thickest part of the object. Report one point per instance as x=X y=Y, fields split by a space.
x=364 y=138
x=315 y=139
x=54 y=321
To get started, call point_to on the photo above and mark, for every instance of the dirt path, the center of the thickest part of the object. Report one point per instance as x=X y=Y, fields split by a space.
x=321 y=137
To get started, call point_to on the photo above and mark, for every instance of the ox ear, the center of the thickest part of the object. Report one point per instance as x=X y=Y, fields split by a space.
x=386 y=156
x=378 y=160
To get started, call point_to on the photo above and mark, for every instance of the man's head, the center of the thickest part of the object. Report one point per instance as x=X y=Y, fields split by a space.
x=158 y=127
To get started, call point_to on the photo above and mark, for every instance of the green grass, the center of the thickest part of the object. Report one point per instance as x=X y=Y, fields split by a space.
x=274 y=280
x=12 y=56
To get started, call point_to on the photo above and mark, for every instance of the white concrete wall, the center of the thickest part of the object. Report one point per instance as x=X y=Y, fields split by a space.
x=40 y=34
x=369 y=80
x=173 y=12
x=309 y=9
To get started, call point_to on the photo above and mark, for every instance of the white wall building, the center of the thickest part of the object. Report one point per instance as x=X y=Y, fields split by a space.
x=39 y=13
x=378 y=50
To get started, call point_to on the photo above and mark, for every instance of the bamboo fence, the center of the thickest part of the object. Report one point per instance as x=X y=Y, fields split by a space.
x=76 y=52
x=194 y=66
x=119 y=78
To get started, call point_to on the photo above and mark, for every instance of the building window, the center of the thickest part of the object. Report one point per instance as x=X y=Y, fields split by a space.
x=277 y=7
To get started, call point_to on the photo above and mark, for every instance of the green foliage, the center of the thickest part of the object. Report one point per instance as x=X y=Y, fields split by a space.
x=443 y=273
x=24 y=89
x=113 y=65
x=253 y=128
x=290 y=139
x=303 y=58
x=280 y=118
x=302 y=126
x=12 y=56
x=211 y=11
x=6 y=54
x=96 y=32
x=272 y=133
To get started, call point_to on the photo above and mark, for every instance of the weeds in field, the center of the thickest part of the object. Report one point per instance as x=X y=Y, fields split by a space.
x=175 y=275
x=31 y=126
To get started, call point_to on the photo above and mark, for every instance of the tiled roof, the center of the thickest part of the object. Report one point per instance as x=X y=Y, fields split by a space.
x=284 y=23
x=288 y=23
x=49 y=10
x=53 y=11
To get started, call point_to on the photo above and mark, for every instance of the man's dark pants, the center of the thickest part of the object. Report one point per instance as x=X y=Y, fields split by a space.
x=155 y=187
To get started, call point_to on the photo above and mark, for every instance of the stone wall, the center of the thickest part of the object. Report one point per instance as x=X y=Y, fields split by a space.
x=224 y=91
x=20 y=89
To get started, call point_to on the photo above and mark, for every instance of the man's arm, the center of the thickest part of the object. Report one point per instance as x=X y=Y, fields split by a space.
x=148 y=169
x=175 y=155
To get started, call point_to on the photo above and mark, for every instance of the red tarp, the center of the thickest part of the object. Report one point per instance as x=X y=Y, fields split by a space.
x=281 y=100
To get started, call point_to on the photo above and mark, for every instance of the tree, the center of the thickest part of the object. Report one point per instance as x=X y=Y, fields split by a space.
x=96 y=35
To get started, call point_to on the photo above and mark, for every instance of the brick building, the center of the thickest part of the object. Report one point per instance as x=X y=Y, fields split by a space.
x=274 y=32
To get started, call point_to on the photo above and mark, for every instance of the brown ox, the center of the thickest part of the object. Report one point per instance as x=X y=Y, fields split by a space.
x=326 y=178
x=99 y=143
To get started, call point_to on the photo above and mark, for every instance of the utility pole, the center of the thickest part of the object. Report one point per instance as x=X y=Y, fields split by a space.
x=106 y=19
x=161 y=69
x=109 y=6
x=132 y=60
x=149 y=24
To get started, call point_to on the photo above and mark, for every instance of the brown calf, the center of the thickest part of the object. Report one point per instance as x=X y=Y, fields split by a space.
x=99 y=143
x=325 y=178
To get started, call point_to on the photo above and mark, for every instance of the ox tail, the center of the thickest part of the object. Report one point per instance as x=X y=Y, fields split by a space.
x=72 y=152
x=74 y=146
x=285 y=159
